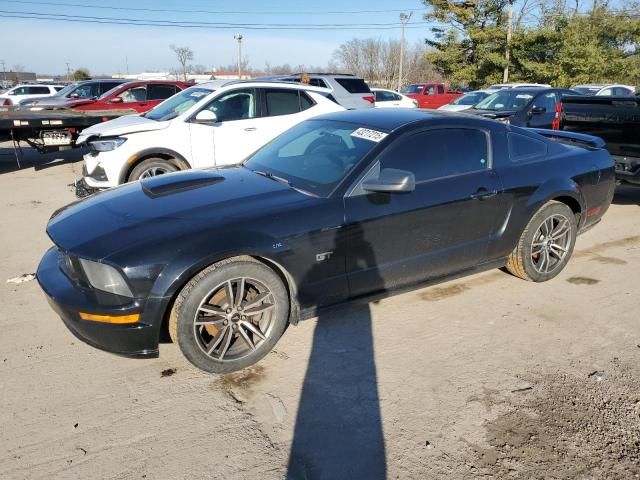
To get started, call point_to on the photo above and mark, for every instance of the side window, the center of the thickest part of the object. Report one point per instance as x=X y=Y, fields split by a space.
x=106 y=86
x=382 y=96
x=134 y=94
x=607 y=92
x=284 y=102
x=525 y=149
x=235 y=105
x=87 y=91
x=396 y=96
x=38 y=91
x=18 y=91
x=547 y=101
x=438 y=153
x=440 y=89
x=161 y=92
x=57 y=89
x=429 y=90
x=317 y=82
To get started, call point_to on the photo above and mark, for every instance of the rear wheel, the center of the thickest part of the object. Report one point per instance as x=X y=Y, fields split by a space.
x=230 y=315
x=152 y=167
x=546 y=244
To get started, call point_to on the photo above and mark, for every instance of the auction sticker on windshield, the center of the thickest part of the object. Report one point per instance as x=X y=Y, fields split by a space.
x=367 y=134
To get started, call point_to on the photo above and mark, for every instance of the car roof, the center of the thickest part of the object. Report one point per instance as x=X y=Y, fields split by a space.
x=275 y=83
x=390 y=119
x=38 y=85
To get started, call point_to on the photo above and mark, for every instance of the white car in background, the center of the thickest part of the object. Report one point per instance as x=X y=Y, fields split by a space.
x=466 y=101
x=14 y=95
x=391 y=99
x=605 y=90
x=203 y=126
x=501 y=86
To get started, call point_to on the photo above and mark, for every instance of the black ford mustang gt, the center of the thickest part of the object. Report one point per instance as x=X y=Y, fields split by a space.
x=346 y=205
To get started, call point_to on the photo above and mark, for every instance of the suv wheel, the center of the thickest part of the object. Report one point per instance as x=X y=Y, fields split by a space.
x=152 y=167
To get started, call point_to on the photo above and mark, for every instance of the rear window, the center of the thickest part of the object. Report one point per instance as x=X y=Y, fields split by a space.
x=286 y=102
x=525 y=149
x=353 y=85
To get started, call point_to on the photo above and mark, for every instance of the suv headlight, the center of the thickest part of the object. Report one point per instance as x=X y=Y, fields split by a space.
x=107 y=145
x=105 y=277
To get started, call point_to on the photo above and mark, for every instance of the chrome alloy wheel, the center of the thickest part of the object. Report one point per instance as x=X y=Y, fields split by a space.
x=551 y=243
x=154 y=172
x=234 y=319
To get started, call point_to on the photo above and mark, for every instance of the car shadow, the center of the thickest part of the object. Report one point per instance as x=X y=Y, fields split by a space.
x=338 y=430
x=627 y=196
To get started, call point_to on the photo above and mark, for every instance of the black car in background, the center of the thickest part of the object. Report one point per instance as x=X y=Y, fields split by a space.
x=342 y=206
x=76 y=90
x=525 y=107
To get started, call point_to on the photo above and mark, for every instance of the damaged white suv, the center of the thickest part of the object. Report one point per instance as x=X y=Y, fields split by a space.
x=206 y=125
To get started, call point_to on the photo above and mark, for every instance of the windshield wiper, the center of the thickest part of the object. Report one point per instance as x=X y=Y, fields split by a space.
x=271 y=176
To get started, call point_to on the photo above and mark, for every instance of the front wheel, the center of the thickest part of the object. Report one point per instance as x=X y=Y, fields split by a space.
x=230 y=315
x=152 y=167
x=546 y=244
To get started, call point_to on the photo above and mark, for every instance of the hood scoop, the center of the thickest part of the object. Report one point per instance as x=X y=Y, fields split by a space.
x=171 y=183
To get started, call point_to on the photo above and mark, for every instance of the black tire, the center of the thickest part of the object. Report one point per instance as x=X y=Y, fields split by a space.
x=526 y=262
x=202 y=288
x=152 y=167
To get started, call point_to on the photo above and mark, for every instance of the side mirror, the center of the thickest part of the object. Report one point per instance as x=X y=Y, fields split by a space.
x=116 y=100
x=538 y=110
x=391 y=180
x=74 y=95
x=205 y=116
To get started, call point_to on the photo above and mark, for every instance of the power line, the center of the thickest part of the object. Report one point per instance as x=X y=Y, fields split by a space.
x=189 y=24
x=220 y=12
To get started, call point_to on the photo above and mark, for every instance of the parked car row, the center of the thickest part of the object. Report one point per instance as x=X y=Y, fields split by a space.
x=15 y=95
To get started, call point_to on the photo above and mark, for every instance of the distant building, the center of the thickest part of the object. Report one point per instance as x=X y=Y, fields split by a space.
x=18 y=77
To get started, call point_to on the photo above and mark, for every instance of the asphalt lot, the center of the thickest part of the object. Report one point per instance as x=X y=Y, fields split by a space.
x=487 y=376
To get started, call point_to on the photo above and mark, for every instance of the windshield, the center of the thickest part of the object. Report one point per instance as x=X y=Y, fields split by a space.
x=315 y=155
x=505 y=100
x=177 y=104
x=470 y=98
x=412 y=89
x=65 y=90
x=109 y=92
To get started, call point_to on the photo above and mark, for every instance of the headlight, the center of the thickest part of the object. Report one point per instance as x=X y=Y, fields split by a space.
x=105 y=277
x=107 y=145
x=415 y=103
x=504 y=120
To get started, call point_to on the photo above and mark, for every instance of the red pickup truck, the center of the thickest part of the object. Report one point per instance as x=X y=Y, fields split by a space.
x=136 y=95
x=430 y=95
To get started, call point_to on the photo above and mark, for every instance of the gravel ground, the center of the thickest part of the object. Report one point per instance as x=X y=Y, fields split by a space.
x=487 y=376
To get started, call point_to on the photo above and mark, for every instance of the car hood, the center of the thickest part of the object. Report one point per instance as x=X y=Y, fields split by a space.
x=121 y=126
x=455 y=108
x=172 y=208
x=46 y=102
x=492 y=113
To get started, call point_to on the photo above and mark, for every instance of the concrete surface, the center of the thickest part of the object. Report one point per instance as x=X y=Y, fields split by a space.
x=487 y=376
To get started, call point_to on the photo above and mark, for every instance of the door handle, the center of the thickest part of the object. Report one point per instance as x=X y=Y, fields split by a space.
x=483 y=193
x=250 y=129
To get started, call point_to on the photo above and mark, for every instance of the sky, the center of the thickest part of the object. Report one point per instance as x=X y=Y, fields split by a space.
x=44 y=46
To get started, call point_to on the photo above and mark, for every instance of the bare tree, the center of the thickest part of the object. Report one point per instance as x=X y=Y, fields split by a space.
x=18 y=68
x=184 y=54
x=377 y=61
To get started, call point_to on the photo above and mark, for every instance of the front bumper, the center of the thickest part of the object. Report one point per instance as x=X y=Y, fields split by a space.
x=103 y=170
x=67 y=299
x=627 y=170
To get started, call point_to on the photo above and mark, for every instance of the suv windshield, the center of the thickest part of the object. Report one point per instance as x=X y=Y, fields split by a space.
x=470 y=98
x=412 y=89
x=511 y=99
x=67 y=89
x=314 y=156
x=177 y=104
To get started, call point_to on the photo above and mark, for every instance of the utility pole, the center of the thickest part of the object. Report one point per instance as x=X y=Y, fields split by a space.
x=238 y=37
x=68 y=72
x=507 y=51
x=4 y=72
x=126 y=61
x=404 y=19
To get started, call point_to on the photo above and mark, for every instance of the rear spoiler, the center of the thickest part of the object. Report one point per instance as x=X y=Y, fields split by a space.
x=582 y=140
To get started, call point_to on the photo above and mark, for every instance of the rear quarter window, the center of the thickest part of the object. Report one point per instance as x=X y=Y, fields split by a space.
x=524 y=149
x=353 y=85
